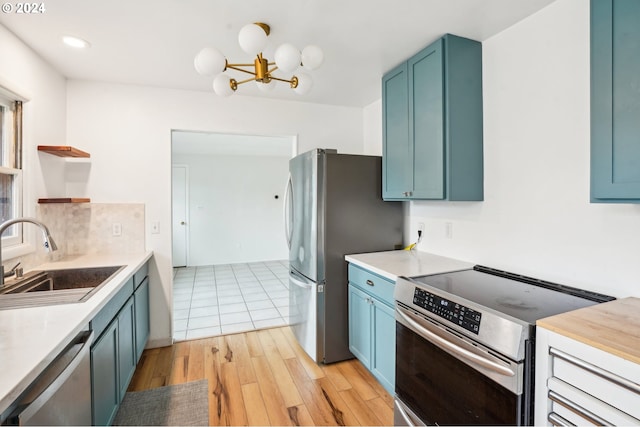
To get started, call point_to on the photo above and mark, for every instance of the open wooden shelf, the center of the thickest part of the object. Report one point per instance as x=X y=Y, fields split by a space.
x=63 y=151
x=66 y=200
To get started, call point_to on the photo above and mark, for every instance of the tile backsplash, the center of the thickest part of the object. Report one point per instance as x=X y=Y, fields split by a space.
x=87 y=229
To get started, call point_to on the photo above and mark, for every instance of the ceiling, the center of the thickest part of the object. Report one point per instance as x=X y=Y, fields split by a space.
x=153 y=42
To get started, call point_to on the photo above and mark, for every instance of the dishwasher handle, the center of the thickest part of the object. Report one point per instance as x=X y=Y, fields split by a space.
x=45 y=391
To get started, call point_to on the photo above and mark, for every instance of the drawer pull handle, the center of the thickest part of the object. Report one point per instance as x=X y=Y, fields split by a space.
x=557 y=420
x=609 y=376
x=577 y=409
x=370 y=282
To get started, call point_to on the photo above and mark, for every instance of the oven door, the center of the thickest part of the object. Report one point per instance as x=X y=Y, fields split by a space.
x=444 y=378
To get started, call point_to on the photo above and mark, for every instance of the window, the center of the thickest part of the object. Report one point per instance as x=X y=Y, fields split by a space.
x=10 y=167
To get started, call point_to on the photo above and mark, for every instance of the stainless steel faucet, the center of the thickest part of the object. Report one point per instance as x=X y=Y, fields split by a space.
x=49 y=243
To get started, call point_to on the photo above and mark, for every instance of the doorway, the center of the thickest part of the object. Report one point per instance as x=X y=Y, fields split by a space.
x=229 y=250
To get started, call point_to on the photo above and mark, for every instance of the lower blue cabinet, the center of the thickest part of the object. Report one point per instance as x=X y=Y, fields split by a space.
x=372 y=324
x=383 y=364
x=123 y=330
x=142 y=325
x=113 y=362
x=127 y=359
x=360 y=325
x=104 y=377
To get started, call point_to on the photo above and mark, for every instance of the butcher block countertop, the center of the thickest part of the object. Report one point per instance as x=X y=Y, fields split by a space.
x=612 y=326
x=393 y=264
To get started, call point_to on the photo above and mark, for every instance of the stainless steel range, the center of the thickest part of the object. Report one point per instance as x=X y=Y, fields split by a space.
x=465 y=345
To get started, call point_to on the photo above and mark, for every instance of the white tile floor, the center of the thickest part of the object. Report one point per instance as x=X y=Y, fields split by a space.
x=222 y=299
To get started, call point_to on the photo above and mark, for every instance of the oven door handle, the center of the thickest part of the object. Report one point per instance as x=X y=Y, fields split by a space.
x=404 y=414
x=447 y=345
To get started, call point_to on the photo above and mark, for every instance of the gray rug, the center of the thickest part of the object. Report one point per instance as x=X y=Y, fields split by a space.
x=176 y=405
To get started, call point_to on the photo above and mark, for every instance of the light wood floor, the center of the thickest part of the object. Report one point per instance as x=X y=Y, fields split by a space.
x=263 y=378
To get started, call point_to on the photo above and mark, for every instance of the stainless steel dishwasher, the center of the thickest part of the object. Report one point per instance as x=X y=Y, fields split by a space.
x=61 y=395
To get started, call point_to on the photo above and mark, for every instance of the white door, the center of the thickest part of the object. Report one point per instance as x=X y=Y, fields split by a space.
x=179 y=199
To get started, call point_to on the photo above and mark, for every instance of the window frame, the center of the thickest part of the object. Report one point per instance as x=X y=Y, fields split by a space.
x=13 y=243
x=14 y=239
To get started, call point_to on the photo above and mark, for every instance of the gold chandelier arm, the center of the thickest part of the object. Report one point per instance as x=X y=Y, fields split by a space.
x=237 y=68
x=245 y=81
x=280 y=80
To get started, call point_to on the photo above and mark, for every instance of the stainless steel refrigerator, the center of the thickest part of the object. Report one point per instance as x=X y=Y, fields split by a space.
x=333 y=207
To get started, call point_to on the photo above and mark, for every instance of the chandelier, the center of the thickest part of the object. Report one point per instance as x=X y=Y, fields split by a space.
x=253 y=39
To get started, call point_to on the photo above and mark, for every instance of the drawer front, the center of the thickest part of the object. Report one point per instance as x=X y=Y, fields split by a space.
x=109 y=311
x=580 y=408
x=138 y=276
x=372 y=284
x=604 y=386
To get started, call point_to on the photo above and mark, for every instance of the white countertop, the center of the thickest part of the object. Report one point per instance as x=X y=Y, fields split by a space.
x=30 y=338
x=392 y=264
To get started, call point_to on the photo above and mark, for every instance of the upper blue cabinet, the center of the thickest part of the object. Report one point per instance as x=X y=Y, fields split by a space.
x=432 y=124
x=615 y=101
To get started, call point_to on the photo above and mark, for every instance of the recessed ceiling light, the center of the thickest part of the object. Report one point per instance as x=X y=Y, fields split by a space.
x=76 y=42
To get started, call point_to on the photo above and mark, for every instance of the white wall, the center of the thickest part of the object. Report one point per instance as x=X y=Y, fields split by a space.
x=27 y=75
x=233 y=213
x=372 y=128
x=536 y=218
x=127 y=130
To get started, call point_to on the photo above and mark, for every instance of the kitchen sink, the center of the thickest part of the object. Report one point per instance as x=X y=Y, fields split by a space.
x=46 y=287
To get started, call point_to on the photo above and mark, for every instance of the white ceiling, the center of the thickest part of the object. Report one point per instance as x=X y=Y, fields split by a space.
x=153 y=42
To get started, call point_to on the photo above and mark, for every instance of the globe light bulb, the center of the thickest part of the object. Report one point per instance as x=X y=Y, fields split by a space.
x=312 y=57
x=266 y=87
x=287 y=57
x=209 y=62
x=305 y=83
x=222 y=85
x=252 y=39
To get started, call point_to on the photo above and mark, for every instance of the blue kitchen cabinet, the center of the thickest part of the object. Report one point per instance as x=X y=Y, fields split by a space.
x=141 y=301
x=142 y=324
x=113 y=362
x=615 y=101
x=126 y=345
x=360 y=325
x=383 y=364
x=432 y=124
x=105 y=396
x=122 y=327
x=372 y=324
x=396 y=176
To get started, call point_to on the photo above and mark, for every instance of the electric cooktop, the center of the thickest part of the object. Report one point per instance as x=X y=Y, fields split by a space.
x=521 y=297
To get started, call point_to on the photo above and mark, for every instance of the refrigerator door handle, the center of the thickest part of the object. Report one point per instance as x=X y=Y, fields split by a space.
x=288 y=200
x=299 y=283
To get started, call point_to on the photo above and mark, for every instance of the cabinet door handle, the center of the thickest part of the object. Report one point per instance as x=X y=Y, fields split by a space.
x=407 y=193
x=370 y=282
